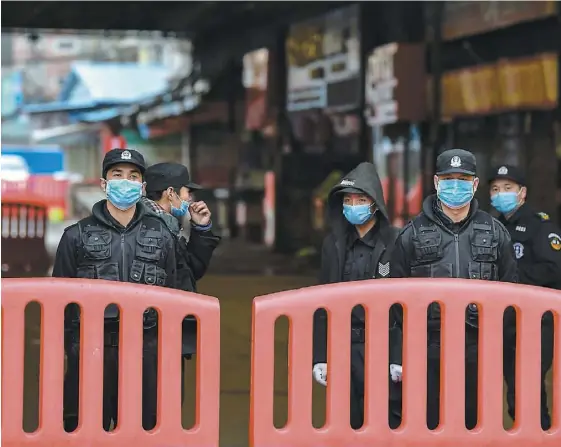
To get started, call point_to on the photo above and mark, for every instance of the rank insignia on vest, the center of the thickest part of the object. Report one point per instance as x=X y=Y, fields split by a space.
x=544 y=216
x=518 y=250
x=554 y=241
x=384 y=269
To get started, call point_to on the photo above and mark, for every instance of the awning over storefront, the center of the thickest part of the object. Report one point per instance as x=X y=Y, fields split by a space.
x=97 y=116
x=183 y=96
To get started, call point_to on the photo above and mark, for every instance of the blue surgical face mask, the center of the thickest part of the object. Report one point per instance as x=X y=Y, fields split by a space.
x=357 y=214
x=505 y=202
x=182 y=210
x=123 y=193
x=455 y=193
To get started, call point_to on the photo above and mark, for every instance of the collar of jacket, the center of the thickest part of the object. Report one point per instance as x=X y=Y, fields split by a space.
x=156 y=210
x=384 y=229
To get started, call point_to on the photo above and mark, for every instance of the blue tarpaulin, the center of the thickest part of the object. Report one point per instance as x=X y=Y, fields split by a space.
x=40 y=159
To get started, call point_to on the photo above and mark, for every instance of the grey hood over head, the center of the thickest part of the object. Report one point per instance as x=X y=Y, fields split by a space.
x=363 y=178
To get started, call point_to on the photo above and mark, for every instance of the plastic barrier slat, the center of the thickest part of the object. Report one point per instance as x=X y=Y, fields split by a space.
x=93 y=296
x=415 y=295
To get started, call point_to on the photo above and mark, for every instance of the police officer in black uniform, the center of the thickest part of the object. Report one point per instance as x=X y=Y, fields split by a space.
x=358 y=248
x=118 y=242
x=537 y=247
x=453 y=238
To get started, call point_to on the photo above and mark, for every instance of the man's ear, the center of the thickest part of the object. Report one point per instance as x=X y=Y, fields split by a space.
x=103 y=184
x=169 y=192
x=435 y=179
x=475 y=184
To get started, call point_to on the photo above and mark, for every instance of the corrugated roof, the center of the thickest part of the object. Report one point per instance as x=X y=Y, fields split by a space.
x=104 y=84
x=120 y=82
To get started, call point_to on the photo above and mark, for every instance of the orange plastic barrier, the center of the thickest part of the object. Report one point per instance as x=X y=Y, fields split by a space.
x=44 y=186
x=93 y=296
x=415 y=295
x=24 y=223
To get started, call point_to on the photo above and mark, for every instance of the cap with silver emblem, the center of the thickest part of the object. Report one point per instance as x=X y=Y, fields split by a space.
x=456 y=161
x=508 y=172
x=117 y=156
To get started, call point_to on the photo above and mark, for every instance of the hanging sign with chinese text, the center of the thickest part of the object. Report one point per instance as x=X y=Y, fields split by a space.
x=395 y=84
x=323 y=60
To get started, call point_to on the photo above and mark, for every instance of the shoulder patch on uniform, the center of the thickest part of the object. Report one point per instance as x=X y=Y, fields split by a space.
x=554 y=241
x=518 y=250
x=543 y=216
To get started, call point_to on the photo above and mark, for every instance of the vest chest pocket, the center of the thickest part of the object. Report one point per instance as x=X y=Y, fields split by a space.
x=482 y=270
x=151 y=274
x=96 y=244
x=483 y=244
x=149 y=246
x=427 y=245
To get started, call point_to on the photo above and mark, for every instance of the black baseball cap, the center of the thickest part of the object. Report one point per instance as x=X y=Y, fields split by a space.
x=456 y=161
x=161 y=176
x=508 y=172
x=117 y=156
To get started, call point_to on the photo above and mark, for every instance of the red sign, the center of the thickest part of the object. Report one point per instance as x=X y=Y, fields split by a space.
x=110 y=141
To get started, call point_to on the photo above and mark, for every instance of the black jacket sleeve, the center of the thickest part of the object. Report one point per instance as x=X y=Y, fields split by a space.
x=400 y=264
x=320 y=315
x=508 y=268
x=400 y=267
x=543 y=267
x=171 y=262
x=198 y=251
x=65 y=265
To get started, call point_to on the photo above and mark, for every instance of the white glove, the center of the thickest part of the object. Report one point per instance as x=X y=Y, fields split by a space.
x=396 y=372
x=320 y=373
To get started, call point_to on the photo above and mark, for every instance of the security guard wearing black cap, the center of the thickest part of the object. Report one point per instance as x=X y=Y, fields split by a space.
x=169 y=196
x=118 y=242
x=453 y=238
x=537 y=247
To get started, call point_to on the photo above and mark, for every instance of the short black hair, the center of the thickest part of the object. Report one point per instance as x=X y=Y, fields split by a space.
x=155 y=195
x=104 y=174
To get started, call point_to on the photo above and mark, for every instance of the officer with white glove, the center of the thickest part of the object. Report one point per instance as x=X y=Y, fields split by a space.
x=358 y=248
x=320 y=373
x=396 y=373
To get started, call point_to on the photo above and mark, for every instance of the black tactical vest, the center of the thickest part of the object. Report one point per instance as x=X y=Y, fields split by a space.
x=136 y=255
x=440 y=253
